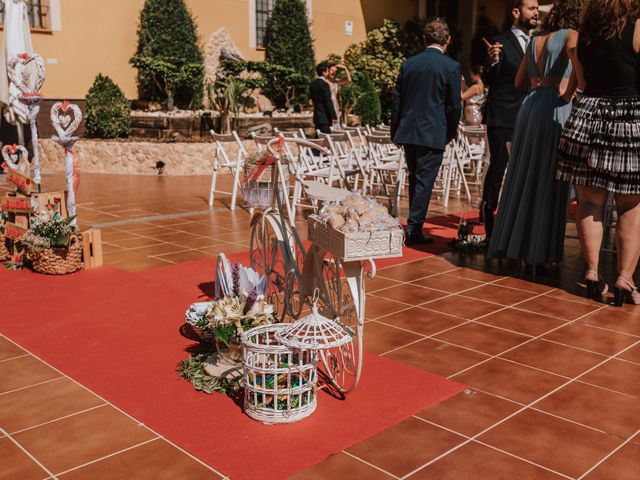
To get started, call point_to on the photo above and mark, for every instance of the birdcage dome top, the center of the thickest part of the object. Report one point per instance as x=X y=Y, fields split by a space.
x=315 y=332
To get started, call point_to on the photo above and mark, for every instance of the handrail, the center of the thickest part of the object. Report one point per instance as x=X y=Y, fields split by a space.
x=298 y=141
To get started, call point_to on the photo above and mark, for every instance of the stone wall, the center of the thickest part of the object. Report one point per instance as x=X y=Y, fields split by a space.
x=138 y=158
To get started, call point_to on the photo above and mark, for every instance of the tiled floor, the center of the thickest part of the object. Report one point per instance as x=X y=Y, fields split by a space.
x=553 y=380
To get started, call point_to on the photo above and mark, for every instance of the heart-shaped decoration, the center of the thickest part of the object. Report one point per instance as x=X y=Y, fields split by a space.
x=16 y=157
x=66 y=118
x=27 y=72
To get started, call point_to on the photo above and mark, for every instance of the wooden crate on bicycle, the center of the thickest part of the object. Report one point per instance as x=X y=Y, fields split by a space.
x=356 y=245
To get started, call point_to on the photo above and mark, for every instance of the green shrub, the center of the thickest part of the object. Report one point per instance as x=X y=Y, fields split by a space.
x=368 y=104
x=288 y=45
x=168 y=58
x=288 y=39
x=379 y=56
x=108 y=112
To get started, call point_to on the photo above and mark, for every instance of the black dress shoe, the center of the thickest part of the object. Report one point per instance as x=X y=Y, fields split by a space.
x=418 y=240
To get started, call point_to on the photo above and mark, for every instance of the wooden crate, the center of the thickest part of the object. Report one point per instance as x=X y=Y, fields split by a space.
x=357 y=245
x=92 y=248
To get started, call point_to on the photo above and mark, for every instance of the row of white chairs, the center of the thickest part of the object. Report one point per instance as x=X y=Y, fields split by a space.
x=361 y=159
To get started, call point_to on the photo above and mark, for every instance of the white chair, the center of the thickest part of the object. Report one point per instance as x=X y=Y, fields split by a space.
x=347 y=159
x=387 y=168
x=222 y=160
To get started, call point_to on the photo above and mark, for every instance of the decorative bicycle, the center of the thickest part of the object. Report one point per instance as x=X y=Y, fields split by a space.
x=294 y=273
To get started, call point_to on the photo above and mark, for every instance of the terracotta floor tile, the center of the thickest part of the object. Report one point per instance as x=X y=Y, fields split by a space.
x=341 y=465
x=508 y=380
x=142 y=263
x=554 y=358
x=616 y=375
x=523 y=284
x=611 y=412
x=551 y=442
x=520 y=321
x=420 y=442
x=156 y=460
x=113 y=235
x=448 y=282
x=558 y=308
x=419 y=320
x=42 y=403
x=411 y=294
x=622 y=465
x=496 y=294
x=592 y=339
x=82 y=438
x=184 y=256
x=135 y=242
x=469 y=412
x=222 y=248
x=9 y=349
x=489 y=340
x=378 y=307
x=23 y=372
x=462 y=307
x=173 y=236
x=436 y=357
x=202 y=229
x=378 y=282
x=616 y=320
x=478 y=462
x=16 y=465
x=381 y=338
x=632 y=355
x=159 y=249
x=406 y=272
x=473 y=274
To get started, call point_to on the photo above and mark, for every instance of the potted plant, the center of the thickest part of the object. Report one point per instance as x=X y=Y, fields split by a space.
x=53 y=245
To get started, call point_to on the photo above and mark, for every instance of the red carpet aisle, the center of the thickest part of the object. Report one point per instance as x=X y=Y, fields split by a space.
x=118 y=334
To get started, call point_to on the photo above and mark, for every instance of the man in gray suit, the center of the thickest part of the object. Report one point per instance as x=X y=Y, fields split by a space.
x=426 y=114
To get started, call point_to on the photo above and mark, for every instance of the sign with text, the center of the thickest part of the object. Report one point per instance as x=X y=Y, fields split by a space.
x=22 y=181
x=15 y=204
x=51 y=202
x=13 y=231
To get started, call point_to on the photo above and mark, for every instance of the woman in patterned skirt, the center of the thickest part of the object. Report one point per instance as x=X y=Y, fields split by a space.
x=599 y=148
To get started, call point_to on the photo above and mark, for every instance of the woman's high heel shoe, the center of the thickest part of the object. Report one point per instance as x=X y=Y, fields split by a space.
x=630 y=295
x=596 y=289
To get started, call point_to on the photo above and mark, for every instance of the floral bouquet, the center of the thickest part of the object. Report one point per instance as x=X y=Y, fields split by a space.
x=239 y=306
x=49 y=232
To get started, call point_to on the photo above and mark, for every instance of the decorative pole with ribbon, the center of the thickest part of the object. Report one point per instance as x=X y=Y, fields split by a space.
x=66 y=118
x=27 y=72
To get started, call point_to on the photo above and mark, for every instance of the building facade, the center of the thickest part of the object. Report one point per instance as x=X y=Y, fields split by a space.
x=80 y=38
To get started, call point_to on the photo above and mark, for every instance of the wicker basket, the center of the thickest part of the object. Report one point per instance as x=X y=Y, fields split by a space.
x=58 y=261
x=258 y=192
x=279 y=382
x=357 y=245
x=4 y=252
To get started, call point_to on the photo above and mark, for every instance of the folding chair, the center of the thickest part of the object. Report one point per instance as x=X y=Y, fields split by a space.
x=221 y=160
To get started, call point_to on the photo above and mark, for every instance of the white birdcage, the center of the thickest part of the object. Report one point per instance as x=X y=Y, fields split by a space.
x=279 y=381
x=280 y=366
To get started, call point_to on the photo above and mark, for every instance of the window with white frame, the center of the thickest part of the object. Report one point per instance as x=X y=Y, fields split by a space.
x=260 y=11
x=38 y=11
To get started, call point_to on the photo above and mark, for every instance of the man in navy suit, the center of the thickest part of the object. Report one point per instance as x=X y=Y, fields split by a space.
x=504 y=55
x=324 y=114
x=426 y=113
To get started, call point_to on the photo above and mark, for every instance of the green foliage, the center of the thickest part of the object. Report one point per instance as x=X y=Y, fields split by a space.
x=368 y=105
x=108 y=112
x=288 y=39
x=225 y=96
x=284 y=86
x=168 y=58
x=379 y=56
x=361 y=98
x=55 y=232
x=193 y=370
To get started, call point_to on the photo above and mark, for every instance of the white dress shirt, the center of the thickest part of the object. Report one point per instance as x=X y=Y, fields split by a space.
x=522 y=36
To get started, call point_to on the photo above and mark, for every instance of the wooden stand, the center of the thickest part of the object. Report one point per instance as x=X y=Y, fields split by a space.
x=92 y=248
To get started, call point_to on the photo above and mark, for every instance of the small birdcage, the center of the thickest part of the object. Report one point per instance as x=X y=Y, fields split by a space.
x=279 y=381
x=280 y=366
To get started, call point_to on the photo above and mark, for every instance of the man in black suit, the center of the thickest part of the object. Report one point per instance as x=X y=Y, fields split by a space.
x=323 y=112
x=504 y=55
x=426 y=113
